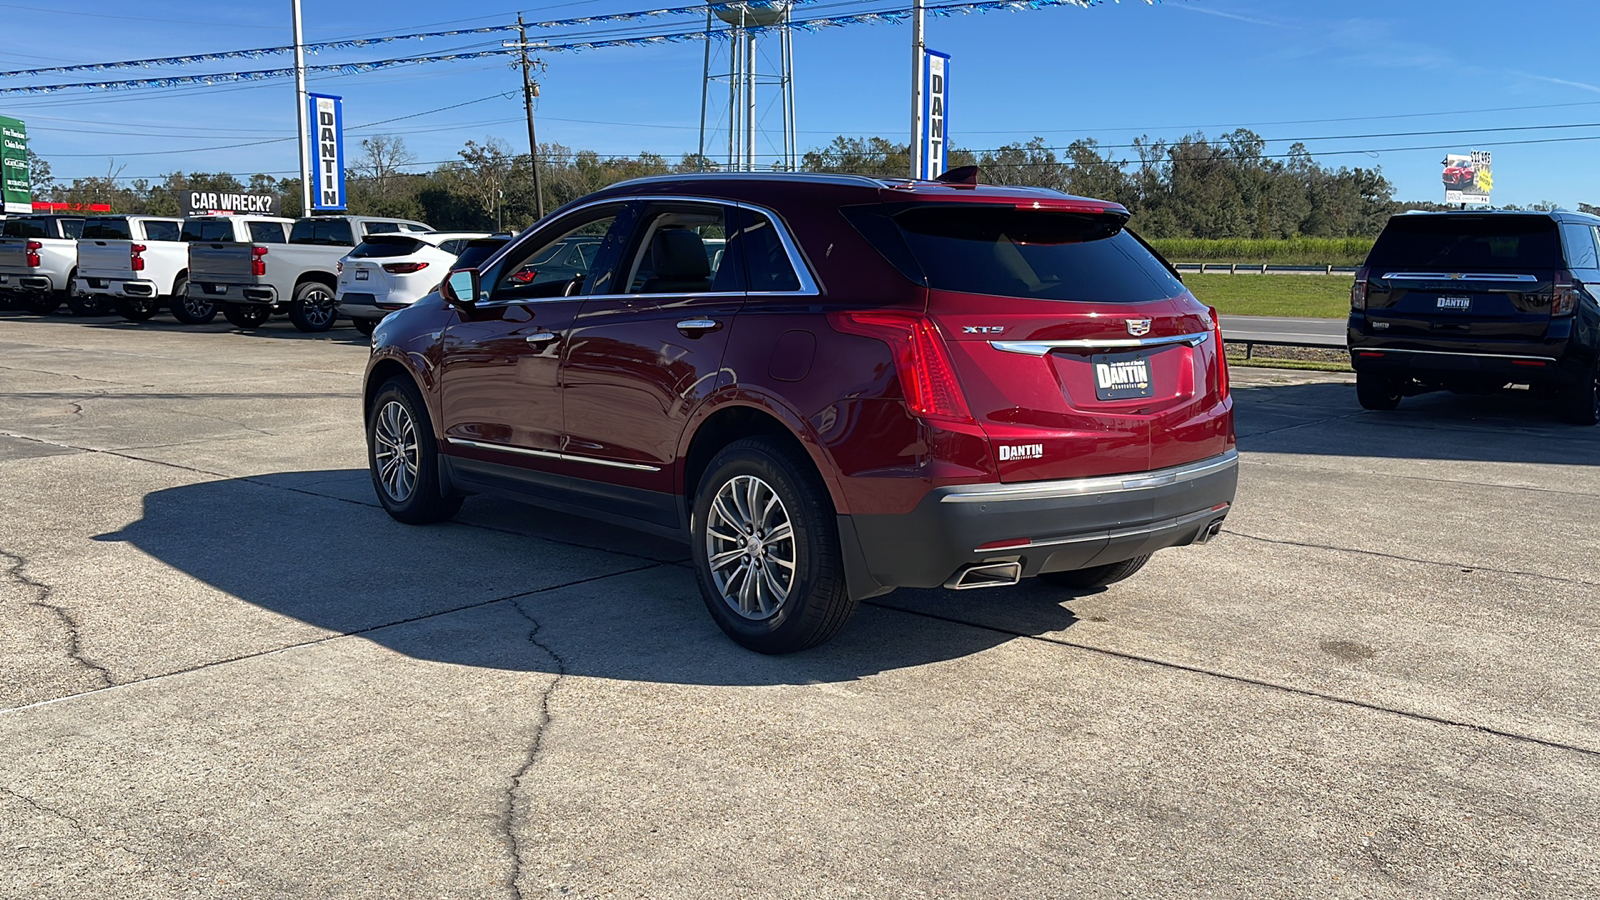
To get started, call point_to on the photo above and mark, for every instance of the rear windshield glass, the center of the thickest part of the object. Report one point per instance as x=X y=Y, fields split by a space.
x=29 y=228
x=1045 y=255
x=328 y=232
x=1467 y=243
x=207 y=230
x=385 y=247
x=107 y=230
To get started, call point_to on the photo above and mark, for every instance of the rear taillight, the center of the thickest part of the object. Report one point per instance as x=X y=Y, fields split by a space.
x=404 y=268
x=31 y=254
x=1358 y=290
x=258 y=265
x=927 y=376
x=1564 y=295
x=1222 y=356
x=134 y=251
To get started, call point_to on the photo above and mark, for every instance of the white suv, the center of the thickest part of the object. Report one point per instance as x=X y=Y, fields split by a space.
x=387 y=272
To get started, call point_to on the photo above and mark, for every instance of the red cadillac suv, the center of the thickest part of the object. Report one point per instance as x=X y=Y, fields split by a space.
x=829 y=386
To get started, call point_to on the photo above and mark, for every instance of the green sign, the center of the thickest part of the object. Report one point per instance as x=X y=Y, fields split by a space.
x=16 y=189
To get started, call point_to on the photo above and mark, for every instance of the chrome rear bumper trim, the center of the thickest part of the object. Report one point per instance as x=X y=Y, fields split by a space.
x=1104 y=484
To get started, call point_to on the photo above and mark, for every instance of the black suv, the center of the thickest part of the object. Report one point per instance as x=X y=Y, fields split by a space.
x=1474 y=301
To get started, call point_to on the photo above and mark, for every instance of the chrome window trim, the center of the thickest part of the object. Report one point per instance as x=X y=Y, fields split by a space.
x=1100 y=484
x=549 y=454
x=1043 y=348
x=1544 y=359
x=1458 y=276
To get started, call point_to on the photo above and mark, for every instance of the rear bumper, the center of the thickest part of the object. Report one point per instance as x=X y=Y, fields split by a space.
x=1048 y=526
x=116 y=287
x=26 y=284
x=1555 y=360
x=224 y=292
x=363 y=305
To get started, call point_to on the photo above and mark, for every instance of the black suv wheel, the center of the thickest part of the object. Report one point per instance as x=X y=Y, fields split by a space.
x=1582 y=402
x=1377 y=391
x=246 y=315
x=766 y=549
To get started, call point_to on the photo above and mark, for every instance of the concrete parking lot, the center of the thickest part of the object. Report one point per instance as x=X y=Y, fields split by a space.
x=224 y=672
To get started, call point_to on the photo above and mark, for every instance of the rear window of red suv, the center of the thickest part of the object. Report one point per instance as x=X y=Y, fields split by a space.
x=1466 y=243
x=1045 y=255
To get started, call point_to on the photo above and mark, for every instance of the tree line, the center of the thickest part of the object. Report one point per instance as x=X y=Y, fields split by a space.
x=1193 y=187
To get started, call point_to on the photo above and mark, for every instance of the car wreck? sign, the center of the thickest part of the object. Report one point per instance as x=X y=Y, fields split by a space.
x=222 y=203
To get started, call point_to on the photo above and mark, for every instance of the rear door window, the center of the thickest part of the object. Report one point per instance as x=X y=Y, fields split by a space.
x=680 y=248
x=768 y=268
x=107 y=230
x=161 y=231
x=72 y=228
x=1041 y=254
x=207 y=230
x=323 y=232
x=1581 y=253
x=1449 y=243
x=267 y=232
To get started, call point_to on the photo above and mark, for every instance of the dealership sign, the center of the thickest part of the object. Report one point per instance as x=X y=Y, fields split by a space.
x=327 y=152
x=223 y=203
x=1467 y=178
x=935 y=112
x=16 y=182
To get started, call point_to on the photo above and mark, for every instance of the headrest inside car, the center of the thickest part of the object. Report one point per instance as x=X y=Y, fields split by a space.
x=677 y=254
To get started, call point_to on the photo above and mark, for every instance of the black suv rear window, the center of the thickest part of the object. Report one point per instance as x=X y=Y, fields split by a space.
x=107 y=230
x=1043 y=254
x=1466 y=243
x=386 y=246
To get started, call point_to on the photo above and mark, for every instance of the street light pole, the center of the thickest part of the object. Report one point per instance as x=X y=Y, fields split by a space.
x=527 y=103
x=300 y=111
x=916 y=88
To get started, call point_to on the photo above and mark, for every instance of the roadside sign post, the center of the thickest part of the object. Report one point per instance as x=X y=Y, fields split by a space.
x=16 y=173
x=300 y=111
x=917 y=60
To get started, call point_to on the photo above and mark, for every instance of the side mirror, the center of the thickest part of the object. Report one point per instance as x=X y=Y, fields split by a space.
x=461 y=288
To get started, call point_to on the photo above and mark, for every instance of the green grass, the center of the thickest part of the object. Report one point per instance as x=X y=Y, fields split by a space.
x=1287 y=252
x=1267 y=362
x=1312 y=296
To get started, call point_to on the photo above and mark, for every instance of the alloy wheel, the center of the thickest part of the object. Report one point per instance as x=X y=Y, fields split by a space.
x=196 y=307
x=320 y=308
x=750 y=547
x=394 y=451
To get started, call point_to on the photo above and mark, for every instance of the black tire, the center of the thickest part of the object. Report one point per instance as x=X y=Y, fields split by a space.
x=137 y=309
x=315 y=308
x=399 y=420
x=89 y=305
x=246 y=316
x=191 y=310
x=816 y=604
x=1377 y=391
x=1580 y=404
x=41 y=304
x=1095 y=576
x=366 y=326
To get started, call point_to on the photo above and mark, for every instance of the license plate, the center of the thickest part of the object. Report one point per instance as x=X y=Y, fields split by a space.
x=1122 y=376
x=362 y=274
x=1455 y=303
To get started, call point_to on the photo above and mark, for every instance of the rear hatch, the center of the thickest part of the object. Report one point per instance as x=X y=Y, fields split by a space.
x=1470 y=278
x=364 y=270
x=104 y=251
x=1079 y=352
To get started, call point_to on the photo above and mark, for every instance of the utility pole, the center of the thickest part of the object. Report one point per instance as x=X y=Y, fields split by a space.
x=529 y=91
x=916 y=88
x=300 y=111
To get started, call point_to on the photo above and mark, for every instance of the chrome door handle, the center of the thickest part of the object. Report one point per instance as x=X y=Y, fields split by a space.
x=697 y=325
x=541 y=337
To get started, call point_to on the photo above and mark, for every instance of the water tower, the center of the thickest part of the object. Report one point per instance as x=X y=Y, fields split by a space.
x=738 y=61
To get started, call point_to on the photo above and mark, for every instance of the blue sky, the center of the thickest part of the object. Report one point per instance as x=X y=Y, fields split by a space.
x=1302 y=70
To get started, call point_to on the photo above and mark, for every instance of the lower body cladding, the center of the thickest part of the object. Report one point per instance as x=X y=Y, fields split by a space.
x=88 y=286
x=989 y=535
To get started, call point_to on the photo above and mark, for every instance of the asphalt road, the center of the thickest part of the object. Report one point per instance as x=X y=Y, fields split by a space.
x=224 y=672
x=1284 y=329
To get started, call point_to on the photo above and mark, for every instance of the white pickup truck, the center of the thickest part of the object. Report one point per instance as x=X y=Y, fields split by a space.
x=38 y=257
x=251 y=281
x=133 y=263
x=202 y=234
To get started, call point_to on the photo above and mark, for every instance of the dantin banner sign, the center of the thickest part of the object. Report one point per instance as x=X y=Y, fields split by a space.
x=935 y=113
x=327 y=152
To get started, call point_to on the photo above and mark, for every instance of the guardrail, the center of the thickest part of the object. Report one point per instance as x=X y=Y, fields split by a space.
x=1262 y=269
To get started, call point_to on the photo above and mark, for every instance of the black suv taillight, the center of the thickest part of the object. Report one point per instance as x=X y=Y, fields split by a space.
x=1564 y=294
x=1358 y=290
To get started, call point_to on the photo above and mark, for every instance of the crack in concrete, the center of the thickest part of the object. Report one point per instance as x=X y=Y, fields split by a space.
x=1410 y=559
x=74 y=639
x=508 y=820
x=47 y=810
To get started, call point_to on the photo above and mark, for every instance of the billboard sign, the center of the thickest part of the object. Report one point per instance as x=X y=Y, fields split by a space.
x=222 y=203
x=935 y=113
x=1467 y=177
x=327 y=152
x=16 y=178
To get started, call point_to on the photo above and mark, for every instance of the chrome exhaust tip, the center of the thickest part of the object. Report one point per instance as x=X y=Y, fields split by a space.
x=986 y=575
x=1209 y=532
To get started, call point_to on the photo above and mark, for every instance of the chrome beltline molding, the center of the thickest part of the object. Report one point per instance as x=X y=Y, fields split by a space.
x=1458 y=276
x=549 y=454
x=1042 y=348
x=1102 y=484
x=1544 y=359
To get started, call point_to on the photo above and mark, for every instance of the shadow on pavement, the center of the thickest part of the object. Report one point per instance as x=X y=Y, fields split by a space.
x=1323 y=418
x=608 y=602
x=277 y=327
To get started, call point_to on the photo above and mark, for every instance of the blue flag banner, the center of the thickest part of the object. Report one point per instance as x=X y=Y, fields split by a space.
x=935 y=113
x=327 y=152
